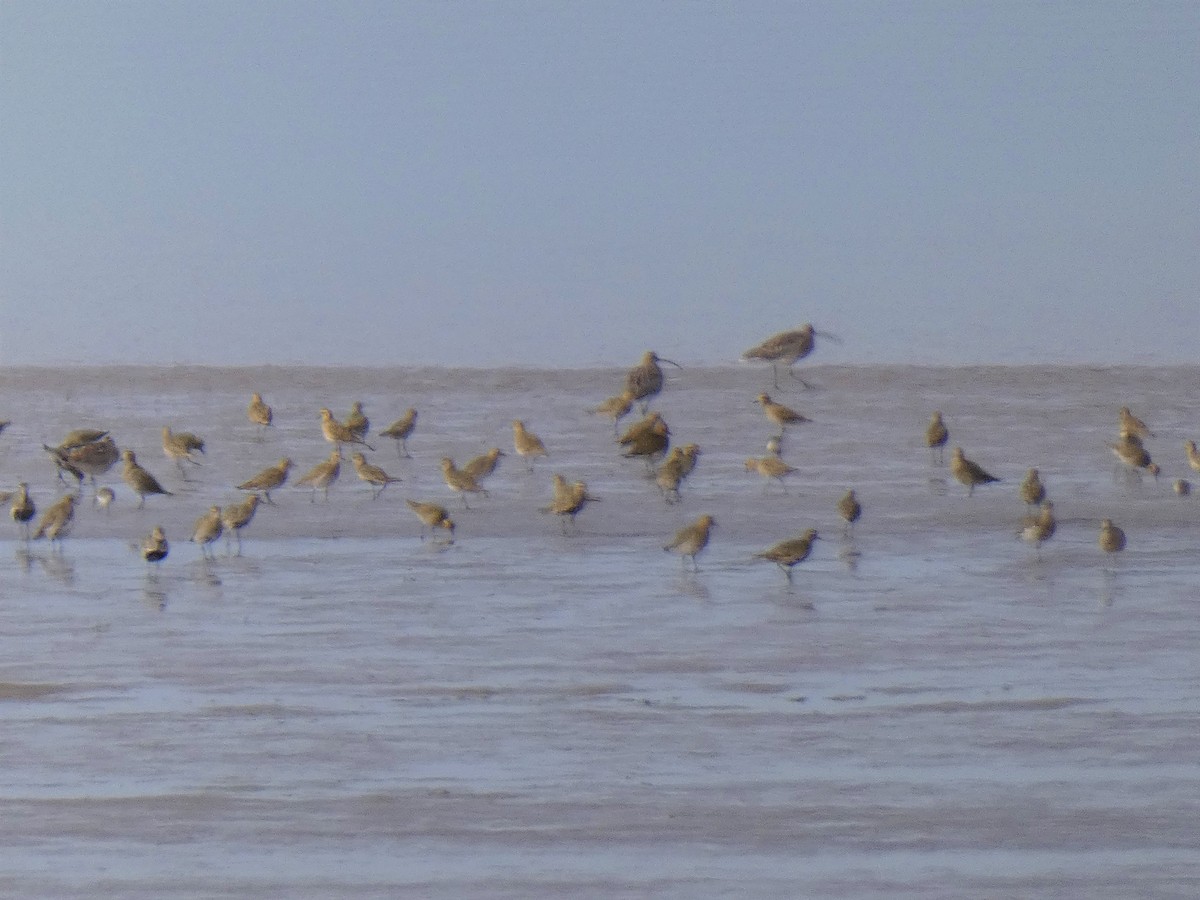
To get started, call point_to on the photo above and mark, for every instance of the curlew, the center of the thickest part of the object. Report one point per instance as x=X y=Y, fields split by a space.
x=259 y=413
x=140 y=481
x=691 y=539
x=207 y=529
x=1112 y=538
x=527 y=444
x=936 y=436
x=850 y=509
x=968 y=472
x=1033 y=491
x=321 y=476
x=432 y=516
x=337 y=433
x=1037 y=529
x=787 y=347
x=645 y=380
x=788 y=553
x=371 y=474
x=778 y=413
x=400 y=430
x=56 y=521
x=22 y=508
x=237 y=516
x=268 y=479
x=155 y=546
x=459 y=481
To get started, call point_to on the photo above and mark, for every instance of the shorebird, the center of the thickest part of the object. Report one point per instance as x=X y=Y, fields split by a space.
x=616 y=407
x=104 y=498
x=1033 y=491
x=1039 y=528
x=778 y=413
x=268 y=479
x=936 y=436
x=140 y=481
x=322 y=475
x=90 y=458
x=788 y=553
x=1129 y=450
x=400 y=430
x=155 y=546
x=179 y=446
x=770 y=468
x=1131 y=425
x=691 y=539
x=22 y=508
x=237 y=516
x=671 y=474
x=1112 y=538
x=259 y=413
x=207 y=529
x=568 y=500
x=459 y=481
x=357 y=421
x=527 y=444
x=645 y=379
x=432 y=516
x=56 y=521
x=787 y=347
x=1182 y=487
x=649 y=438
x=849 y=509
x=1193 y=455
x=968 y=472
x=337 y=433
x=371 y=474
x=482 y=466
x=79 y=436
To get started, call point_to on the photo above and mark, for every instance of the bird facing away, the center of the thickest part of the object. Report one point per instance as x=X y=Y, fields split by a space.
x=432 y=516
x=337 y=433
x=1040 y=528
x=1112 y=538
x=155 y=546
x=771 y=468
x=778 y=413
x=237 y=516
x=787 y=347
x=615 y=408
x=400 y=430
x=691 y=539
x=645 y=380
x=140 y=481
x=207 y=529
x=268 y=479
x=357 y=421
x=259 y=413
x=1131 y=425
x=459 y=481
x=849 y=509
x=371 y=473
x=527 y=444
x=1033 y=491
x=322 y=475
x=484 y=465
x=56 y=521
x=22 y=508
x=788 y=553
x=1193 y=455
x=968 y=472
x=936 y=436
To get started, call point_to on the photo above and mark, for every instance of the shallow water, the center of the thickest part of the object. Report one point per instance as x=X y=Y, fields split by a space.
x=345 y=710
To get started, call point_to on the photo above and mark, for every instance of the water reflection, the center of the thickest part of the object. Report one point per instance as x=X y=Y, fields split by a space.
x=154 y=591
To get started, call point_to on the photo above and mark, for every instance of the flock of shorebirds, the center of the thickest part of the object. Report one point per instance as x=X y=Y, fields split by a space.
x=87 y=453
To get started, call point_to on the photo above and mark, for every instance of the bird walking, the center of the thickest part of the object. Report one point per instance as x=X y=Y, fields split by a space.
x=401 y=430
x=139 y=480
x=690 y=540
x=432 y=516
x=371 y=474
x=968 y=472
x=790 y=552
x=268 y=479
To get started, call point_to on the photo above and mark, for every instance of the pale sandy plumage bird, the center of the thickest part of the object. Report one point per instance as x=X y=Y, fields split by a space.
x=268 y=479
x=459 y=481
x=968 y=472
x=1182 y=487
x=371 y=474
x=139 y=480
x=527 y=444
x=788 y=553
x=671 y=474
x=1040 y=528
x=357 y=420
x=615 y=408
x=649 y=438
x=259 y=413
x=483 y=465
x=56 y=521
x=155 y=547
x=321 y=476
x=1129 y=450
x=22 y=509
x=103 y=498
x=1112 y=538
x=1193 y=455
x=432 y=516
x=87 y=459
x=936 y=436
x=771 y=468
x=1129 y=424
x=401 y=430
x=337 y=433
x=850 y=509
x=787 y=347
x=237 y=516
x=77 y=437
x=778 y=413
x=1033 y=491
x=691 y=539
x=645 y=380
x=207 y=529
x=569 y=500
x=179 y=446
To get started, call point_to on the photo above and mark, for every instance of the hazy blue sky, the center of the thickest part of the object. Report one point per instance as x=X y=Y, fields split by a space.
x=566 y=183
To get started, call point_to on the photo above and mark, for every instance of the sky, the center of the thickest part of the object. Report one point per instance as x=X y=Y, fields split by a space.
x=570 y=184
